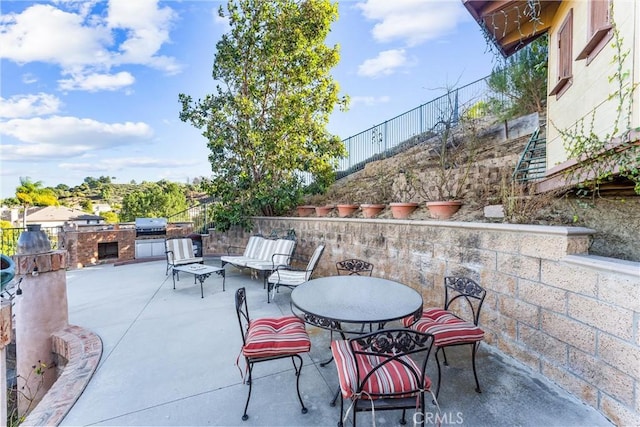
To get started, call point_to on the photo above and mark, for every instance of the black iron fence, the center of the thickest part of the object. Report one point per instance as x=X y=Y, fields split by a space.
x=411 y=127
x=200 y=215
x=9 y=238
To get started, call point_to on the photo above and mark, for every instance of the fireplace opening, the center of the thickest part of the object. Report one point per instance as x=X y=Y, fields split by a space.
x=108 y=250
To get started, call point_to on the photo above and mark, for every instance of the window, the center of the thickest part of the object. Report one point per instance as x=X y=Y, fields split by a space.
x=565 y=57
x=599 y=32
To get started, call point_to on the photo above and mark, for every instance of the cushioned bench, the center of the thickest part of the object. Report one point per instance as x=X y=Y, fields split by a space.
x=262 y=254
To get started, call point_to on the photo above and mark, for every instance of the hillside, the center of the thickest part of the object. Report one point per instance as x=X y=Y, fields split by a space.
x=615 y=214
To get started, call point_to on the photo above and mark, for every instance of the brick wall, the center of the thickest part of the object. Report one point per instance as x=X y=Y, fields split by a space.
x=573 y=317
x=83 y=246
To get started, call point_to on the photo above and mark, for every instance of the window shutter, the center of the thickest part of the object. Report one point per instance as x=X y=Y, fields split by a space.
x=565 y=41
x=599 y=15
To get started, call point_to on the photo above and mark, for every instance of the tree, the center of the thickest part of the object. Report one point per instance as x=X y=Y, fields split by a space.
x=266 y=123
x=522 y=81
x=34 y=194
x=161 y=199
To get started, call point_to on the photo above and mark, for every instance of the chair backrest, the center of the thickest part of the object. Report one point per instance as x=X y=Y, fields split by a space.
x=266 y=250
x=178 y=249
x=383 y=347
x=313 y=261
x=354 y=266
x=283 y=251
x=243 y=312
x=253 y=246
x=464 y=289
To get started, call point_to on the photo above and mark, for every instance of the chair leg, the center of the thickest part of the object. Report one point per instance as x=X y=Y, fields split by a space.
x=340 y=424
x=245 y=417
x=403 y=420
x=473 y=360
x=298 y=372
x=444 y=353
x=439 y=372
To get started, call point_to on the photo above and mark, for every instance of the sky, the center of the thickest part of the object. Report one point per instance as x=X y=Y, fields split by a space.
x=90 y=88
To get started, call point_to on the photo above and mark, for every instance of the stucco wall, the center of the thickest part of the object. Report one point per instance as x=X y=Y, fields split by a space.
x=570 y=316
x=590 y=87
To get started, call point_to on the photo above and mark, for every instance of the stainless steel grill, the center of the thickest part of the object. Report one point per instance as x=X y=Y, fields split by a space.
x=151 y=226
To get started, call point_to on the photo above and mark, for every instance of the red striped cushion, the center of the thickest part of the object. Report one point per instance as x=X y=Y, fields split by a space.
x=446 y=328
x=269 y=337
x=393 y=377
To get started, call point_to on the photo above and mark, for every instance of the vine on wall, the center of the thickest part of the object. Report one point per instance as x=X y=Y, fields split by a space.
x=601 y=158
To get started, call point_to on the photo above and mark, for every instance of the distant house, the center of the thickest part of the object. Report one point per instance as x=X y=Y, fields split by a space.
x=53 y=216
x=581 y=61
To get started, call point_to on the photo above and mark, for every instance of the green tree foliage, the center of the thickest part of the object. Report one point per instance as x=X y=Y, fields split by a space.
x=161 y=199
x=110 y=217
x=522 y=81
x=31 y=193
x=266 y=122
x=87 y=205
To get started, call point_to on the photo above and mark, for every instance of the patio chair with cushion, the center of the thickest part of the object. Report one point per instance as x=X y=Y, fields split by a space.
x=290 y=277
x=384 y=370
x=271 y=338
x=179 y=251
x=447 y=327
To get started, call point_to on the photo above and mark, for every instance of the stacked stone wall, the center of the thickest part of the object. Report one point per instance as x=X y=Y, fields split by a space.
x=573 y=317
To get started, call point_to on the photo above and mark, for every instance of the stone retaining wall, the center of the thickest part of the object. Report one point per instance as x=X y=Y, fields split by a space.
x=573 y=317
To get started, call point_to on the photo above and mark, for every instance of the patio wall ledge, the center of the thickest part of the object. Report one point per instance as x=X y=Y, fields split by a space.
x=81 y=350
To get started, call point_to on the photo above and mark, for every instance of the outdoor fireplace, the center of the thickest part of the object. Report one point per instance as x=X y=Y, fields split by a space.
x=107 y=250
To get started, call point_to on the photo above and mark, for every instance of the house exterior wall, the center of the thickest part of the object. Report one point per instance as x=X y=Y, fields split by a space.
x=572 y=317
x=590 y=87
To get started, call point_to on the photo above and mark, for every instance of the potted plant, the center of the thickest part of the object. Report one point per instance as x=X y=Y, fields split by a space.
x=371 y=210
x=346 y=209
x=324 y=210
x=381 y=188
x=305 y=210
x=454 y=150
x=405 y=190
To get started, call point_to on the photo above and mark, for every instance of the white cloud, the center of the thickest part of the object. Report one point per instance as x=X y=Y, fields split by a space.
x=127 y=162
x=29 y=105
x=147 y=28
x=29 y=78
x=45 y=33
x=387 y=62
x=64 y=137
x=83 y=42
x=96 y=82
x=412 y=21
x=369 y=101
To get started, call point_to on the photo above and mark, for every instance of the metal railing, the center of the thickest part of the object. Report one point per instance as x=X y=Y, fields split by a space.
x=199 y=215
x=9 y=238
x=412 y=127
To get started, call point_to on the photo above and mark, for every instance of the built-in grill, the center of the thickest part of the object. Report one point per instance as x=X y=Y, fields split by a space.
x=151 y=226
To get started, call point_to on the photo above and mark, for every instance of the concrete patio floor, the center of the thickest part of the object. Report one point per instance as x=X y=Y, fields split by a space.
x=170 y=359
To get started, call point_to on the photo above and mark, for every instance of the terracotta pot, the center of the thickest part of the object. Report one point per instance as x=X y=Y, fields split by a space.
x=305 y=210
x=443 y=209
x=403 y=210
x=371 y=210
x=346 y=209
x=324 y=210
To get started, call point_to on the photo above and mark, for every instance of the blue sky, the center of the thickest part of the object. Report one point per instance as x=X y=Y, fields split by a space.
x=90 y=88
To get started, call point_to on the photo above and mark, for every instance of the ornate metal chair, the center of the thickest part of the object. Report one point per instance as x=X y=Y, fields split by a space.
x=377 y=373
x=354 y=266
x=267 y=339
x=290 y=277
x=448 y=328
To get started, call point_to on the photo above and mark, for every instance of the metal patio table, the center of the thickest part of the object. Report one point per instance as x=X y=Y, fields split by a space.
x=331 y=302
x=200 y=272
